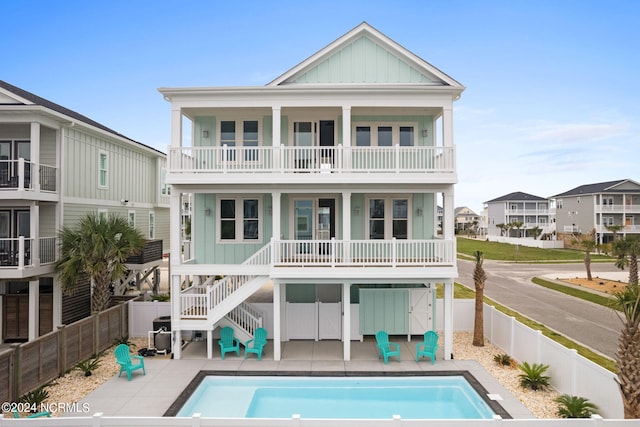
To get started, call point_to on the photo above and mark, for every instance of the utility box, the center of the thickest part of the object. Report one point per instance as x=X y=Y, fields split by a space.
x=162 y=341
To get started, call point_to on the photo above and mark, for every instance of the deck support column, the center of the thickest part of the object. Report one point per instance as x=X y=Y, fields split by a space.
x=448 y=319
x=34 y=309
x=278 y=296
x=210 y=344
x=346 y=320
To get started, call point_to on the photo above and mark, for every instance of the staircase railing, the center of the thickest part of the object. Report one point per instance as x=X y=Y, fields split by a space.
x=246 y=317
x=197 y=302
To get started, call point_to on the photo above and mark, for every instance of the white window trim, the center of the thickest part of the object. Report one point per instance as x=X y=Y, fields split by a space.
x=388 y=214
x=239 y=220
x=129 y=213
x=103 y=213
x=395 y=132
x=106 y=169
x=239 y=129
x=152 y=225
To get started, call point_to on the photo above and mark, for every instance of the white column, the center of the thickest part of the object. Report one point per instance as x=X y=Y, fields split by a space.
x=346 y=126
x=275 y=215
x=175 y=317
x=35 y=156
x=277 y=317
x=34 y=232
x=346 y=223
x=448 y=215
x=276 y=114
x=447 y=126
x=34 y=309
x=176 y=127
x=346 y=320
x=448 y=319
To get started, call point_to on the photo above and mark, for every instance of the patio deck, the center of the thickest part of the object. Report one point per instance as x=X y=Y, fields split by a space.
x=152 y=394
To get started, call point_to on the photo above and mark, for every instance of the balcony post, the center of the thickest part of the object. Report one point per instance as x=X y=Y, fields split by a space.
x=394 y=252
x=276 y=135
x=20 y=174
x=346 y=225
x=346 y=137
x=21 y=253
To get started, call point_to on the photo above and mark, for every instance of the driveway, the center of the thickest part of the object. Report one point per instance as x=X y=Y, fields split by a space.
x=510 y=284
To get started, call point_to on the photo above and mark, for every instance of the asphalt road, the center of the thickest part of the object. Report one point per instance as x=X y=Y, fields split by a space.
x=510 y=284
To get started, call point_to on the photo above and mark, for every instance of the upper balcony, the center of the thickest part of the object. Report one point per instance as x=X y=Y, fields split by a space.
x=323 y=164
x=22 y=179
x=619 y=209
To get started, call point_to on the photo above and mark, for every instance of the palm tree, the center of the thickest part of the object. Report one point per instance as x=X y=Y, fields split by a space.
x=614 y=229
x=97 y=247
x=479 y=277
x=627 y=304
x=627 y=251
x=588 y=244
x=517 y=225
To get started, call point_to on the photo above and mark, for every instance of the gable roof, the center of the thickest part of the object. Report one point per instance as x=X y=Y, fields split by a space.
x=345 y=60
x=518 y=196
x=23 y=97
x=463 y=210
x=601 y=187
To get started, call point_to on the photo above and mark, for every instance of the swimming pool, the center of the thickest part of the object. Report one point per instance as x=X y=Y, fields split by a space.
x=411 y=397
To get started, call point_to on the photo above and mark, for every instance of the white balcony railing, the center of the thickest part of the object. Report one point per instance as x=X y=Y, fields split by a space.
x=311 y=159
x=25 y=175
x=339 y=253
x=621 y=208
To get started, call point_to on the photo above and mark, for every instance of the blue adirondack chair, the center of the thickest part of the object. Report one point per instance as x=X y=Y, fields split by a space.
x=428 y=347
x=125 y=360
x=257 y=343
x=386 y=349
x=228 y=342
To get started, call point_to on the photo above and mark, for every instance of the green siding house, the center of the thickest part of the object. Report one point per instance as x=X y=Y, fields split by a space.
x=323 y=185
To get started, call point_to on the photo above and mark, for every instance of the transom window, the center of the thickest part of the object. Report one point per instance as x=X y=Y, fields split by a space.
x=385 y=135
x=388 y=218
x=241 y=135
x=239 y=220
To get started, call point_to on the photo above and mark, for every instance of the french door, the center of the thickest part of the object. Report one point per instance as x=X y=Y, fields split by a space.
x=314 y=219
x=307 y=135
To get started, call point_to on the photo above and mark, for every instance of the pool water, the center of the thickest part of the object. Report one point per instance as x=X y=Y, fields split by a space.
x=432 y=397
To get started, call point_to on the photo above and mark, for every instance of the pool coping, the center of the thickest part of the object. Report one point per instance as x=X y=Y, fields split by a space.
x=182 y=398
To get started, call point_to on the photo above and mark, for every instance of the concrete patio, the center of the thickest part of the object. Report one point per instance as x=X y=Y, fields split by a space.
x=153 y=393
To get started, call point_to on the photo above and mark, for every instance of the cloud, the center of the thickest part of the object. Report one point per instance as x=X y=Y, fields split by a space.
x=575 y=132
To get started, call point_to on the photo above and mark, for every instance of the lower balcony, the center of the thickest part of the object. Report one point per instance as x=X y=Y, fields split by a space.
x=24 y=176
x=341 y=259
x=22 y=257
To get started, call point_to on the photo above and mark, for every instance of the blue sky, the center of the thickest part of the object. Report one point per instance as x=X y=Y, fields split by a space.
x=552 y=98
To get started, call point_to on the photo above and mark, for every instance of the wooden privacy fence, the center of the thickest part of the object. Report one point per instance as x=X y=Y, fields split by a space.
x=27 y=366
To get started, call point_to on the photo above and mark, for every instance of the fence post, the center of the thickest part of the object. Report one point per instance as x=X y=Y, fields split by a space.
x=62 y=350
x=574 y=370
x=15 y=389
x=124 y=330
x=96 y=332
x=539 y=338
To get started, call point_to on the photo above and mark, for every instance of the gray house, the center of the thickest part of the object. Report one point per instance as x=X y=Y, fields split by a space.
x=598 y=206
x=531 y=211
x=57 y=165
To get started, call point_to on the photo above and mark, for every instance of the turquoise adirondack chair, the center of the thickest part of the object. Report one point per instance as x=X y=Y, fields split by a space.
x=257 y=343
x=428 y=347
x=125 y=360
x=228 y=342
x=386 y=349
x=47 y=414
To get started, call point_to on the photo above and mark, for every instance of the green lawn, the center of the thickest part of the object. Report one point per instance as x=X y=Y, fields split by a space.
x=506 y=252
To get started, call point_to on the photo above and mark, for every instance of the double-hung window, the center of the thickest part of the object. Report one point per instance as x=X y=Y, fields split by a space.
x=388 y=218
x=103 y=168
x=240 y=137
x=239 y=219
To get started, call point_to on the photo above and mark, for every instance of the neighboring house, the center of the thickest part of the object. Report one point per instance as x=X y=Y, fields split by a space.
x=596 y=206
x=466 y=219
x=323 y=183
x=55 y=166
x=532 y=212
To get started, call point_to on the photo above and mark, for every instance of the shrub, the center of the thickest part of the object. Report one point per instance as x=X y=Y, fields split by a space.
x=35 y=398
x=574 y=407
x=122 y=340
x=503 y=359
x=161 y=297
x=88 y=366
x=533 y=377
